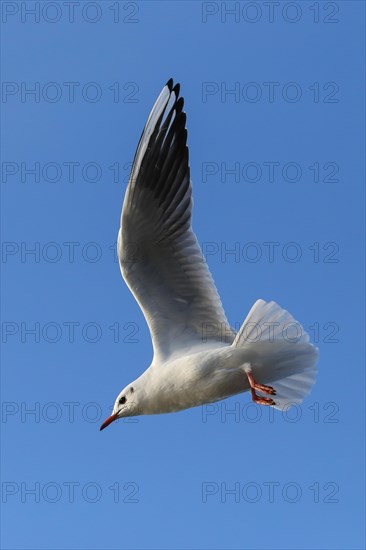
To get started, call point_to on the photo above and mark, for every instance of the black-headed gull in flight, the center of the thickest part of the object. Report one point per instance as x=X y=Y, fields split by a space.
x=197 y=356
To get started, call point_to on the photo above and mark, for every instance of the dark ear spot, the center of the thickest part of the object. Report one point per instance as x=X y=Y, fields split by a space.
x=132 y=390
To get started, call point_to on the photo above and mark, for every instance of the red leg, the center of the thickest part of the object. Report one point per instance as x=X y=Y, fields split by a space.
x=260 y=387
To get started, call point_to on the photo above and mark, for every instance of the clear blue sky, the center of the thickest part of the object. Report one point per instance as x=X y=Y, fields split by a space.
x=292 y=131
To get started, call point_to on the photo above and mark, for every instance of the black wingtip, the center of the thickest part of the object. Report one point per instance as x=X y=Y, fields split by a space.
x=176 y=90
x=170 y=84
x=179 y=105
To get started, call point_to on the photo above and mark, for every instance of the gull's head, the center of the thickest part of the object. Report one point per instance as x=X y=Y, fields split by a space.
x=125 y=405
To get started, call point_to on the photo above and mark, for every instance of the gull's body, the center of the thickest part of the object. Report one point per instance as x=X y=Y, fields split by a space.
x=197 y=357
x=190 y=380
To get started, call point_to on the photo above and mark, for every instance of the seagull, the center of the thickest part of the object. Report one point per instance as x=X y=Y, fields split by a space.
x=198 y=358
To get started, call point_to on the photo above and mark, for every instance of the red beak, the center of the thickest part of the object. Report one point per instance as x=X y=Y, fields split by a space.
x=109 y=420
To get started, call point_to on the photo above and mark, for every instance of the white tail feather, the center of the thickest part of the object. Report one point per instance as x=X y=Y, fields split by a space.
x=279 y=352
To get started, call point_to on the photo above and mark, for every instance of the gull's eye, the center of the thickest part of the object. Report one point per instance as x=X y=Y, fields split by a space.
x=122 y=401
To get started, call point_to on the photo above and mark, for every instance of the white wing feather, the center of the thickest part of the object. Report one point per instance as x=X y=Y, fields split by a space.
x=159 y=255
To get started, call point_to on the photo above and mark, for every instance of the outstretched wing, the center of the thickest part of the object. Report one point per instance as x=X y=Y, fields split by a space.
x=159 y=255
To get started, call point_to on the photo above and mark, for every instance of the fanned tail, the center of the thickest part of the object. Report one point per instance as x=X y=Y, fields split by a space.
x=279 y=351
